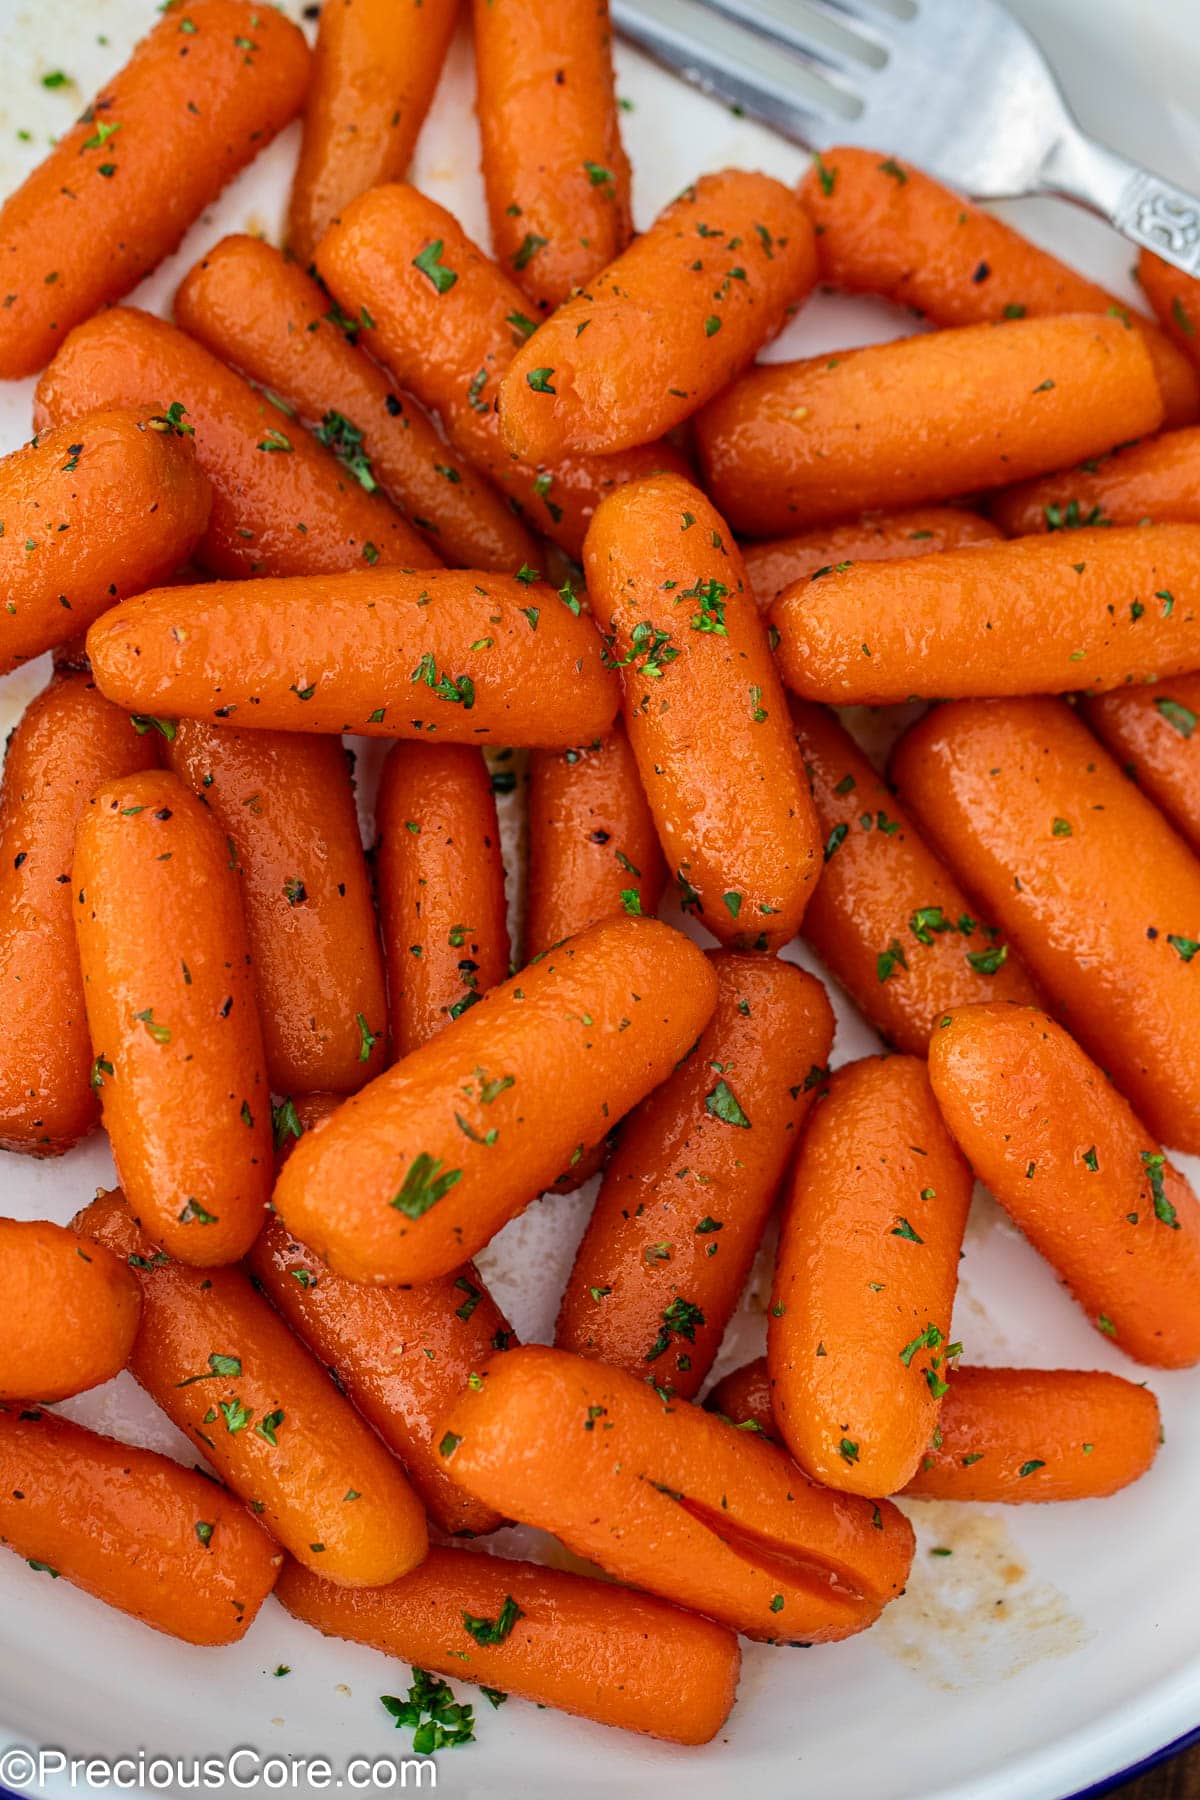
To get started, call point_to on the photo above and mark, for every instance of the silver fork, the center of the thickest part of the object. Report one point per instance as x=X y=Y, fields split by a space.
x=956 y=86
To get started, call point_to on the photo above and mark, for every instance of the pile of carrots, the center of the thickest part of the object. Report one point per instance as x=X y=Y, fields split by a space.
x=385 y=483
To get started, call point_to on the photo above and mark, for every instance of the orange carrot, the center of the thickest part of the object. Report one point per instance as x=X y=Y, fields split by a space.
x=705 y=711
x=864 y=1283
x=285 y=806
x=71 y=1314
x=247 y=304
x=196 y=101
x=1089 y=883
x=693 y=1178
x=877 y=537
x=420 y=1169
x=535 y=1632
x=173 y=1017
x=1041 y=615
x=1175 y=298
x=227 y=1371
x=666 y=1497
x=1151 y=731
x=1065 y=1155
x=1156 y=480
x=893 y=425
x=144 y=1535
x=744 y=1398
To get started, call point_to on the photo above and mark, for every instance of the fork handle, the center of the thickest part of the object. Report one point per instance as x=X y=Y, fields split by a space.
x=1144 y=207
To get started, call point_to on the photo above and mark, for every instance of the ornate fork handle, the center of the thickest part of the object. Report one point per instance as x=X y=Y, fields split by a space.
x=1144 y=207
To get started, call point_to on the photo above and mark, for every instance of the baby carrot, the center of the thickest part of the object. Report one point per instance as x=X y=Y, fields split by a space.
x=152 y=1539
x=374 y=74
x=1175 y=298
x=386 y=652
x=1088 y=610
x=705 y=711
x=70 y=1314
x=666 y=1497
x=693 y=1178
x=226 y=1370
x=1087 y=880
x=884 y=227
x=666 y=325
x=155 y=147
x=1064 y=1154
x=68 y=741
x=744 y=1398
x=249 y=305
x=448 y=322
x=421 y=1168
x=440 y=884
x=925 y=418
x=888 y=919
x=96 y=509
x=593 y=849
x=171 y=1009
x=1138 y=484
x=1151 y=731
x=864 y=1282
x=557 y=188
x=281 y=504
x=774 y=564
x=285 y=808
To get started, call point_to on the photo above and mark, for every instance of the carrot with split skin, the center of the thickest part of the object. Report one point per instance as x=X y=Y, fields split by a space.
x=68 y=741
x=1067 y=1158
x=226 y=1370
x=693 y=1178
x=197 y=100
x=562 y=1640
x=1152 y=733
x=285 y=805
x=70 y=1317
x=392 y=653
x=1175 y=298
x=922 y=419
x=1078 y=610
x=774 y=565
x=666 y=1497
x=253 y=308
x=705 y=711
x=1145 y=483
x=858 y=1329
x=162 y=1543
x=281 y=503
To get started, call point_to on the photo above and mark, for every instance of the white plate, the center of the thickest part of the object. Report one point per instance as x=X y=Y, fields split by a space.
x=1057 y=1644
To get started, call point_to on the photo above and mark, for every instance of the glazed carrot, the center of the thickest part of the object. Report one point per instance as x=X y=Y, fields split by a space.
x=744 y=1398
x=1152 y=481
x=420 y=1169
x=99 y=508
x=885 y=228
x=281 y=504
x=155 y=1540
x=374 y=74
x=925 y=418
x=440 y=884
x=864 y=1280
x=592 y=844
x=1066 y=1157
x=70 y=1314
x=227 y=1371
x=666 y=1497
x=666 y=325
x=1086 y=610
x=448 y=322
x=387 y=652
x=554 y=167
x=1152 y=733
x=173 y=1017
x=1175 y=298
x=285 y=807
x=705 y=711
x=888 y=919
x=67 y=742
x=774 y=564
x=535 y=1632
x=249 y=305
x=1088 y=882
x=693 y=1178
x=197 y=100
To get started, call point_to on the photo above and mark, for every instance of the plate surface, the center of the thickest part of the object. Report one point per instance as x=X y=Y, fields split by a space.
x=1057 y=1644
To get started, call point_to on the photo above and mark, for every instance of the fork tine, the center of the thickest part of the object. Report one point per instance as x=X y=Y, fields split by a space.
x=781 y=23
x=874 y=14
